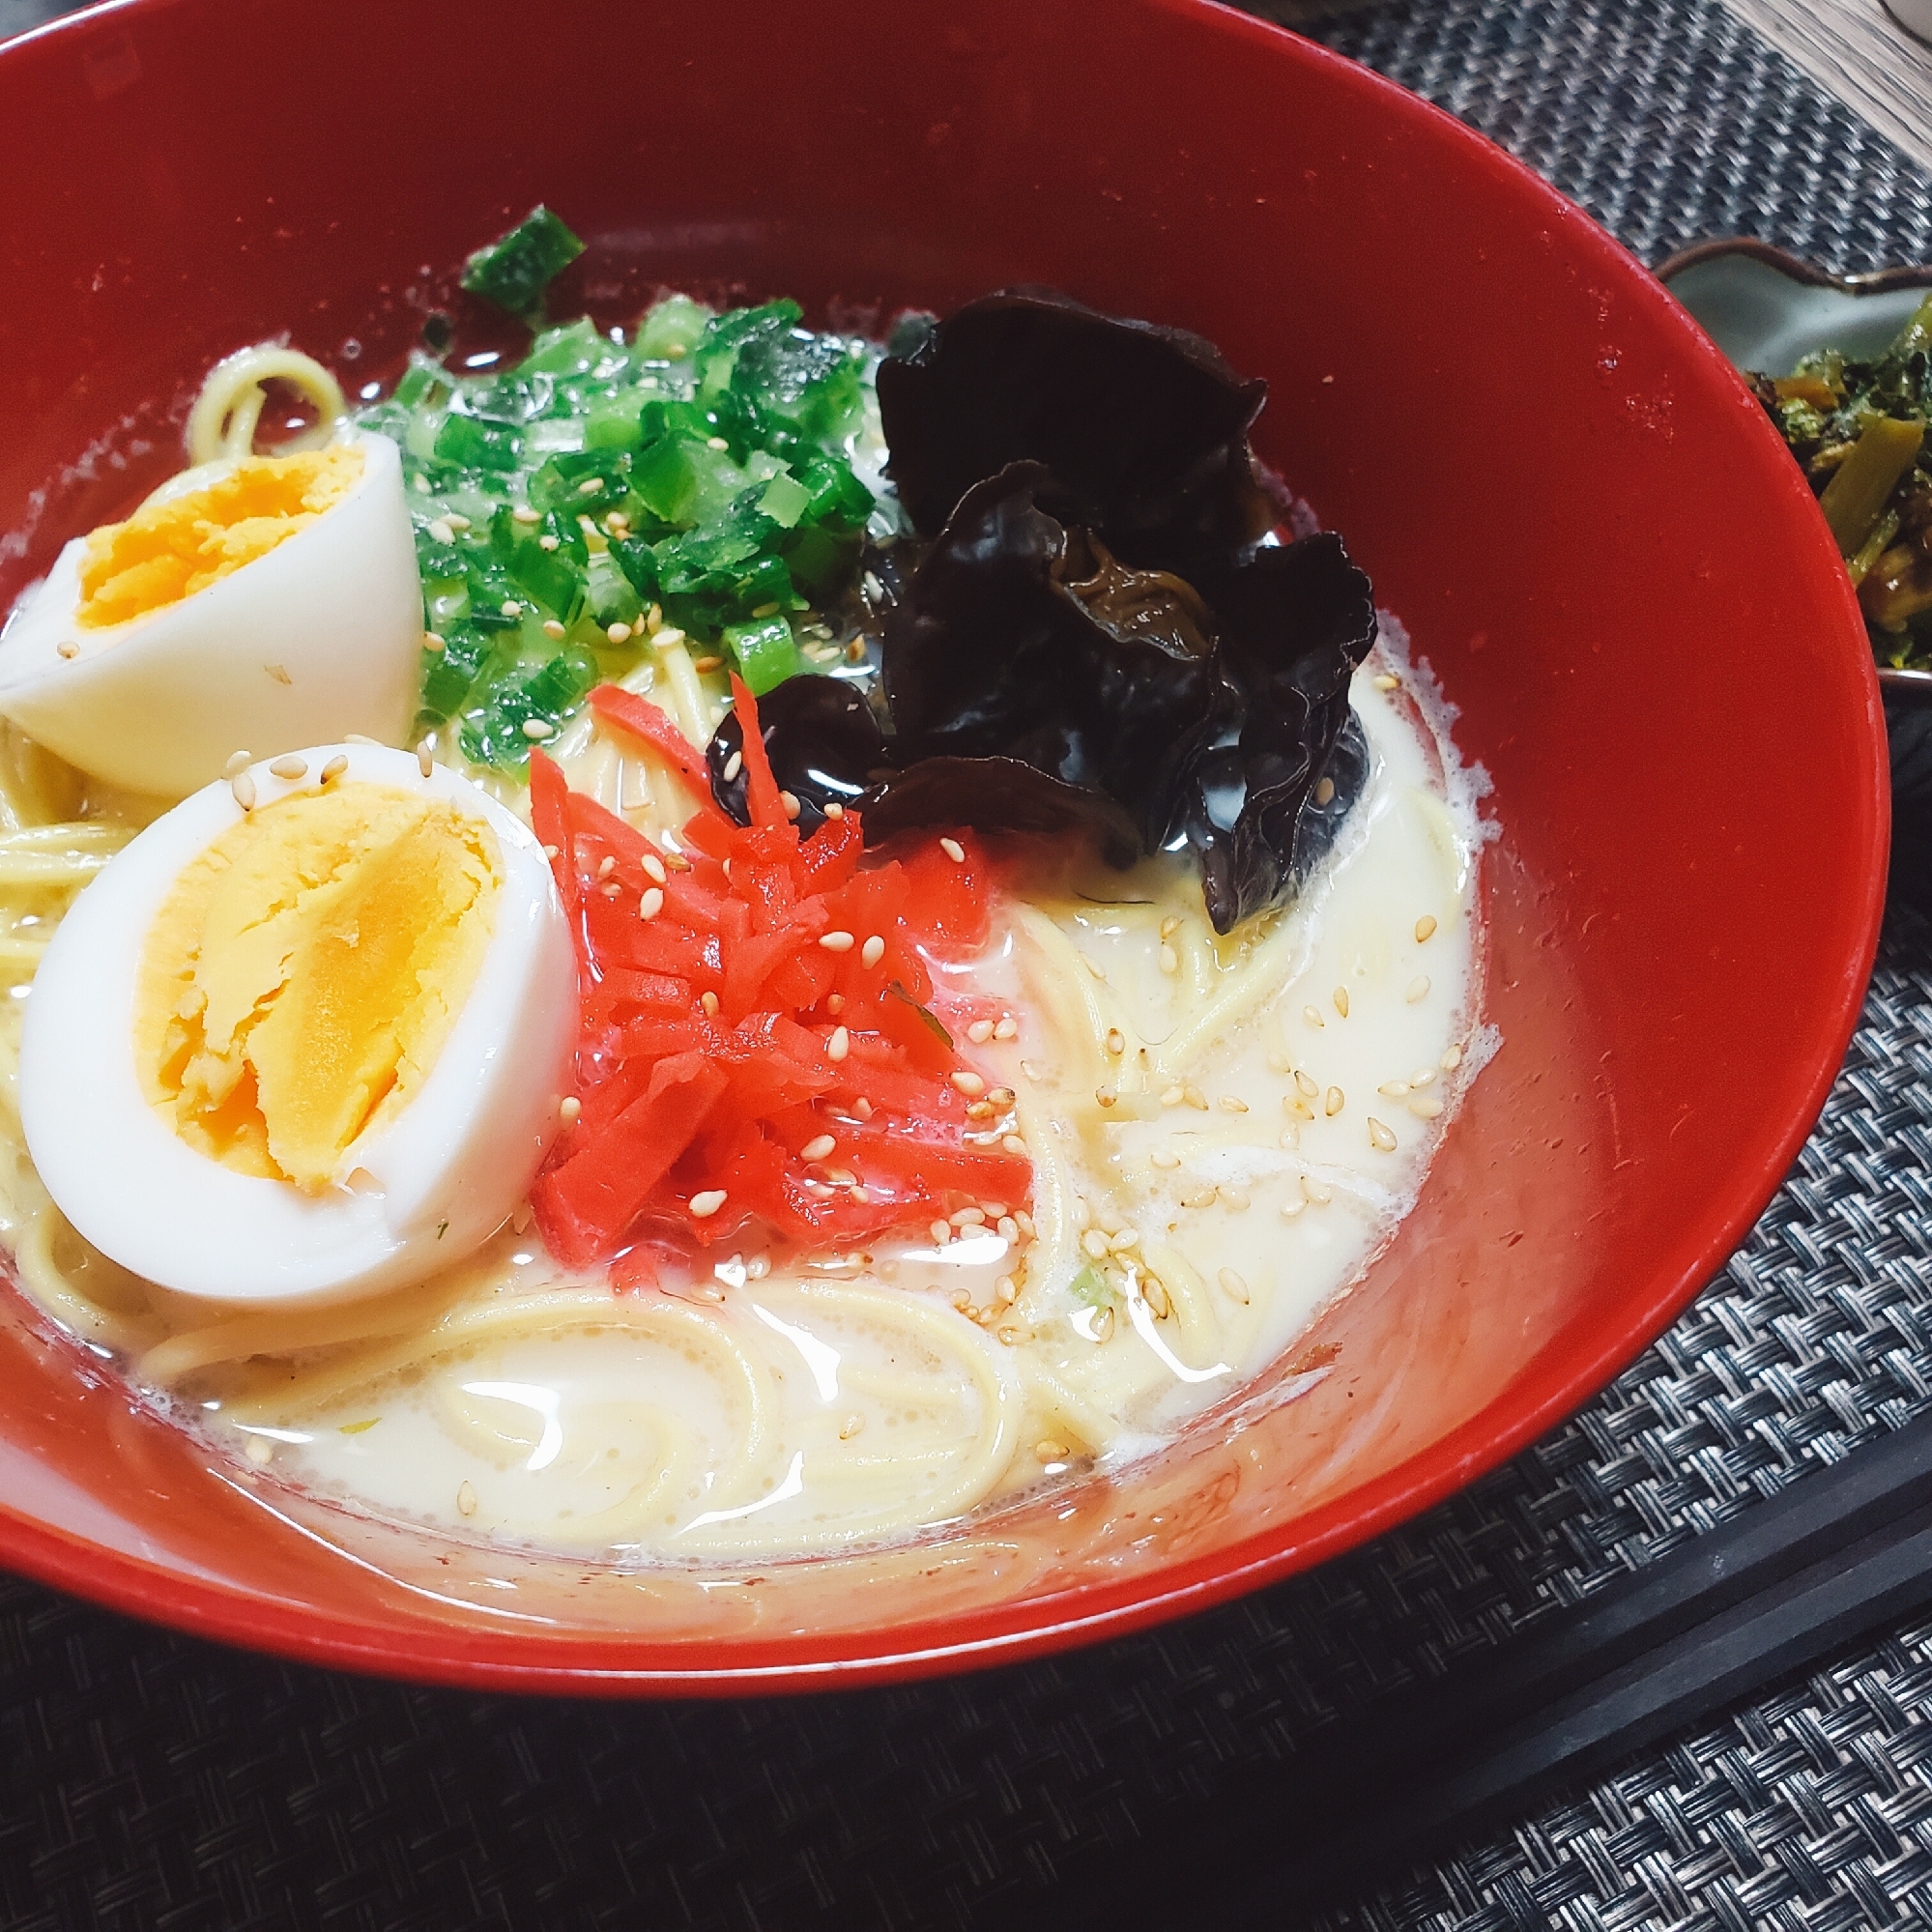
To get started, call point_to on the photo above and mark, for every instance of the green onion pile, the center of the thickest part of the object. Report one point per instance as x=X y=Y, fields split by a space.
x=704 y=467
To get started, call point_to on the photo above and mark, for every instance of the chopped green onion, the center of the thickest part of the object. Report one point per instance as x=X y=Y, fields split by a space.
x=766 y=652
x=513 y=271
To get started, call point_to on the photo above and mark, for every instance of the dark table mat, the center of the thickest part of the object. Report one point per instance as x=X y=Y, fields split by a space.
x=147 y=1780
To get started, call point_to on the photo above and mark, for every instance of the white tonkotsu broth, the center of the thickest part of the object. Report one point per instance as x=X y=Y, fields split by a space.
x=760 y=1412
x=1222 y=1133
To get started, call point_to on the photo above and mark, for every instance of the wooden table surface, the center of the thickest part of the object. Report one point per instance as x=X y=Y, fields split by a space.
x=1857 y=51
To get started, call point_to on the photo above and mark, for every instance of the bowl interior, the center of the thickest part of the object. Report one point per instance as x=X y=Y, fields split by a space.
x=1555 y=482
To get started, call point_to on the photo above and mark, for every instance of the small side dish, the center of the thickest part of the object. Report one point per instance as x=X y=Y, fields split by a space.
x=1859 y=427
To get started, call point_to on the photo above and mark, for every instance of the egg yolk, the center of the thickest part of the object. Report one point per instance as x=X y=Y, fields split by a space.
x=168 y=551
x=305 y=970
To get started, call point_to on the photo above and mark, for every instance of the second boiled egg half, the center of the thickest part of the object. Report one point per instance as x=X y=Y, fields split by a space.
x=260 y=601
x=307 y=1037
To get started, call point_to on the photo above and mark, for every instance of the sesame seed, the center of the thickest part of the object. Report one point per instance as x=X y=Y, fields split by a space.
x=1231 y=1283
x=817 y=1149
x=1233 y=1103
x=1380 y=1137
x=862 y=1107
x=243 y=787
x=1161 y=1157
x=1385 y=682
x=551 y=853
x=1306 y=1082
x=653 y=868
x=653 y=619
x=665 y=635
x=1231 y=1198
x=941 y=1232
x=1002 y=1097
x=858 y=1194
x=1426 y=1109
x=1422 y=1077
x=440 y=530
x=1155 y=1294
x=539 y=729
x=1082 y=1213
x=1312 y=1015
x=607 y=865
x=466 y=1498
x=1006 y=1289
x=1292 y=1207
x=708 y=1001
x=1324 y=793
x=357 y=737
x=788 y=803
x=980 y=1032
x=1335 y=1101
x=1093 y=1244
x=290 y=768
x=652 y=902
x=1297 y=1108
x=1033 y=1070
x=425 y=758
x=1451 y=1058
x=619 y=633
x=589 y=486
x=1048 y=1450
x=836 y=943
x=839 y=1045
x=1116 y=1042
x=1393 y=1090
x=1094 y=967
x=433 y=643
x=716 y=442
x=1341 y=1000
x=335 y=769
x=1122 y=1239
x=954 y=851
x=704 y=1205
x=512 y=608
x=1169 y=926
x=1198 y=1197
x=260 y=1451
x=549 y=542
x=1424 y=927
x=1105 y=1095
x=1319 y=1194
x=1418 y=989
x=872 y=952
x=1173 y=1096
x=968 y=1217
x=523 y=513
x=1014 y=1144
x=1291 y=1135
x=733 y=764
x=969 y=1083
x=1007 y=1227
x=618 y=523
x=1170 y=961
x=238 y=763
x=1280 y=1063
x=552 y=629
x=568 y=1109
x=1193 y=1097
x=278 y=673
x=850 y=1427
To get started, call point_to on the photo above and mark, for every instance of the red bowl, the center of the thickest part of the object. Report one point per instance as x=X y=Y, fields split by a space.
x=1591 y=531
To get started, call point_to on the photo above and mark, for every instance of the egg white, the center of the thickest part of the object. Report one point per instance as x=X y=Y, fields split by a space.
x=413 y=1193
x=316 y=639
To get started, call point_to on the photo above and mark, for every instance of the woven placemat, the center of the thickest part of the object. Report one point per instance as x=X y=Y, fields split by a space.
x=150 y=1781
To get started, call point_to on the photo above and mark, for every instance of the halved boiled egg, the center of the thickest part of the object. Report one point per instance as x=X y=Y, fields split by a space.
x=265 y=601
x=306 y=1051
